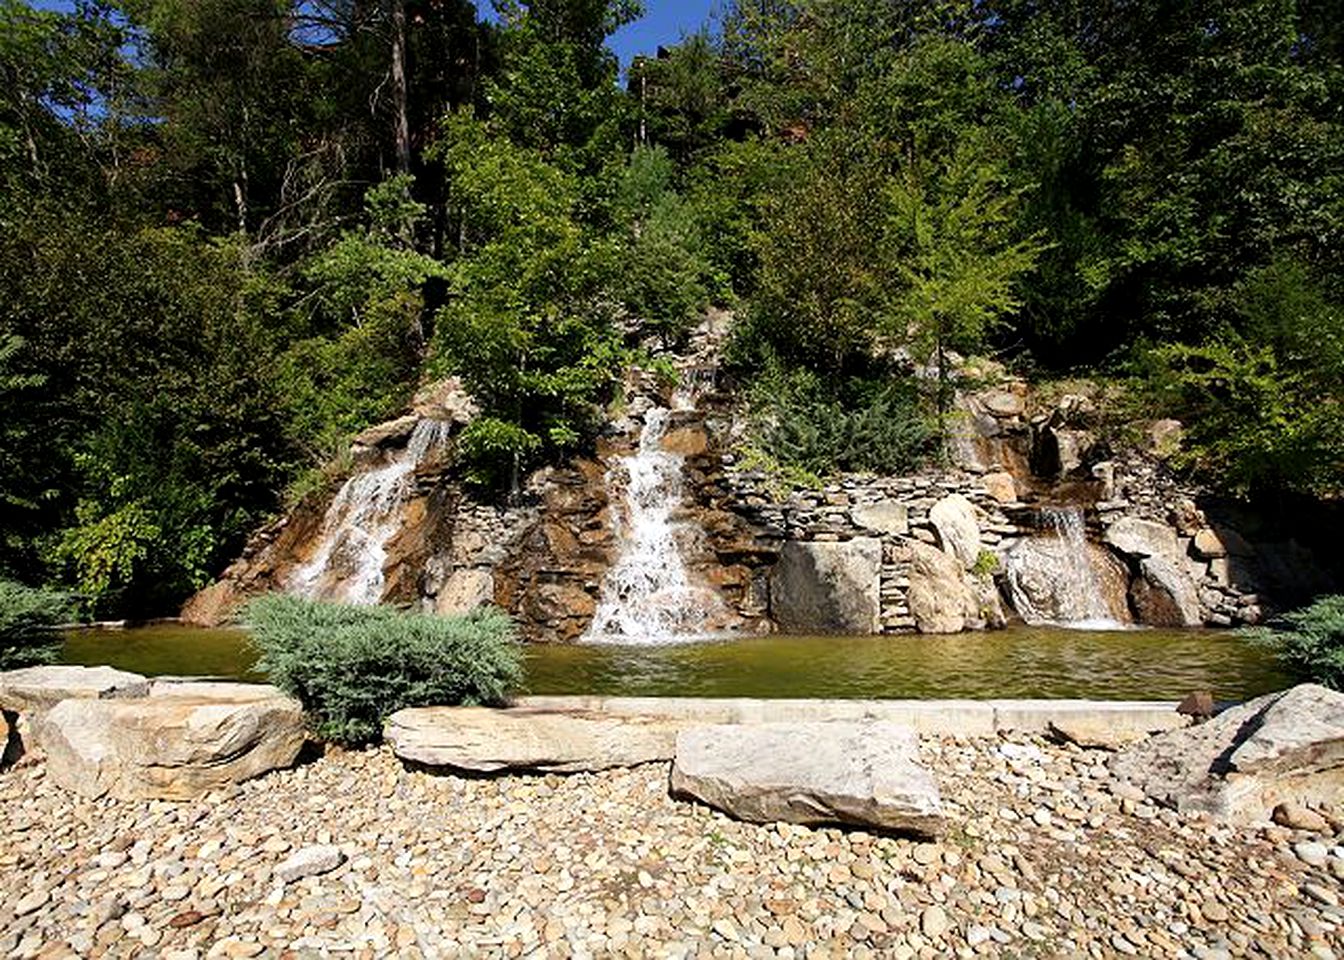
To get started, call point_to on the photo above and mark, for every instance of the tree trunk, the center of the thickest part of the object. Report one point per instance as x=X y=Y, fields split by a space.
x=403 y=123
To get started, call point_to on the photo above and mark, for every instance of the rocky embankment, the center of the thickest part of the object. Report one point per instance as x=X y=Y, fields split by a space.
x=1047 y=856
x=141 y=823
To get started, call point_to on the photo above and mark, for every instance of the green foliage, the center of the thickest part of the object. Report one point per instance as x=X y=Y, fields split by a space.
x=27 y=616
x=986 y=564
x=528 y=324
x=147 y=417
x=1310 y=640
x=1263 y=407
x=351 y=667
x=809 y=425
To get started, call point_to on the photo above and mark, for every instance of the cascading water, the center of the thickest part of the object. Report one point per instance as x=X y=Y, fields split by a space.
x=363 y=517
x=647 y=595
x=1052 y=578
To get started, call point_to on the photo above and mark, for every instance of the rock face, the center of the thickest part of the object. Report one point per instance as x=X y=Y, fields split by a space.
x=828 y=587
x=1281 y=748
x=465 y=590
x=490 y=741
x=33 y=690
x=863 y=773
x=176 y=745
x=953 y=518
x=940 y=600
x=1164 y=595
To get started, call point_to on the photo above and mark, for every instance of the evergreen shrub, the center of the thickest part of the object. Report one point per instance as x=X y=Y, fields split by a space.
x=352 y=666
x=1310 y=640
x=27 y=616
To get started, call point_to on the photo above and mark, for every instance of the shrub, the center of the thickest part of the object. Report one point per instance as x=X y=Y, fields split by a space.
x=27 y=616
x=352 y=666
x=822 y=426
x=1310 y=640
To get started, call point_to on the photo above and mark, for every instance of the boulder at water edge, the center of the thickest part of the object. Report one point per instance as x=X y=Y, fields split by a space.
x=1284 y=747
x=35 y=689
x=940 y=600
x=828 y=587
x=180 y=743
x=544 y=741
x=863 y=773
x=953 y=518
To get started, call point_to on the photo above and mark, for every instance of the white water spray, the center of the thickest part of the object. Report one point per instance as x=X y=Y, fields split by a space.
x=1052 y=580
x=647 y=595
x=362 y=519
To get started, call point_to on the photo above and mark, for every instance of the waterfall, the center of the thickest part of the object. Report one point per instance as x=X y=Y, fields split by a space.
x=1052 y=578
x=647 y=596
x=363 y=517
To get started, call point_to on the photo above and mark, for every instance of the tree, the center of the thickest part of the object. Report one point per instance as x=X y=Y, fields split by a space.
x=950 y=241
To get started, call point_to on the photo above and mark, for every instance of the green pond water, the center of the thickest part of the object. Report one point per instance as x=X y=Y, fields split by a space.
x=1046 y=662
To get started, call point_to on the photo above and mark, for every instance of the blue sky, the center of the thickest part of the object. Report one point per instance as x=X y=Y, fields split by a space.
x=665 y=22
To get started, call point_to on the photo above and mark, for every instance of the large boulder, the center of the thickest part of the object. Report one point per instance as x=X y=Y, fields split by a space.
x=33 y=690
x=828 y=587
x=1143 y=538
x=177 y=744
x=1049 y=584
x=953 y=518
x=1284 y=747
x=940 y=599
x=527 y=739
x=1165 y=595
x=863 y=773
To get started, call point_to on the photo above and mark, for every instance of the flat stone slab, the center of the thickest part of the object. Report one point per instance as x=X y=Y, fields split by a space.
x=953 y=718
x=35 y=689
x=858 y=773
x=167 y=747
x=225 y=690
x=485 y=740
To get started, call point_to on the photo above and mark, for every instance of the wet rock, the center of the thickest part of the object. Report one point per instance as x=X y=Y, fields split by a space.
x=862 y=773
x=1280 y=748
x=489 y=741
x=172 y=747
x=953 y=518
x=1165 y=595
x=828 y=587
x=33 y=690
x=392 y=433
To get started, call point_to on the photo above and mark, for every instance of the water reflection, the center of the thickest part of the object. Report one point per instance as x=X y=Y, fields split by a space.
x=1019 y=662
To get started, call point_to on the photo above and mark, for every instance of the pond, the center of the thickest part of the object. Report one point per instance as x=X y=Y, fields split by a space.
x=1020 y=662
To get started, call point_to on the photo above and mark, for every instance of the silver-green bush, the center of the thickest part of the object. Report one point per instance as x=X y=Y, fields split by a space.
x=27 y=615
x=352 y=666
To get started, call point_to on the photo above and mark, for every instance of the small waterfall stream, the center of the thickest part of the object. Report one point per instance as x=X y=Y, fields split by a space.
x=647 y=595
x=362 y=519
x=1052 y=579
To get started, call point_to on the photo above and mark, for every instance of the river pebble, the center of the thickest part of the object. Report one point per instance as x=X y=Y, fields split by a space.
x=353 y=855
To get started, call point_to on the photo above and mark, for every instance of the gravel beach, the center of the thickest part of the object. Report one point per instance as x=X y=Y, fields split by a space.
x=354 y=855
